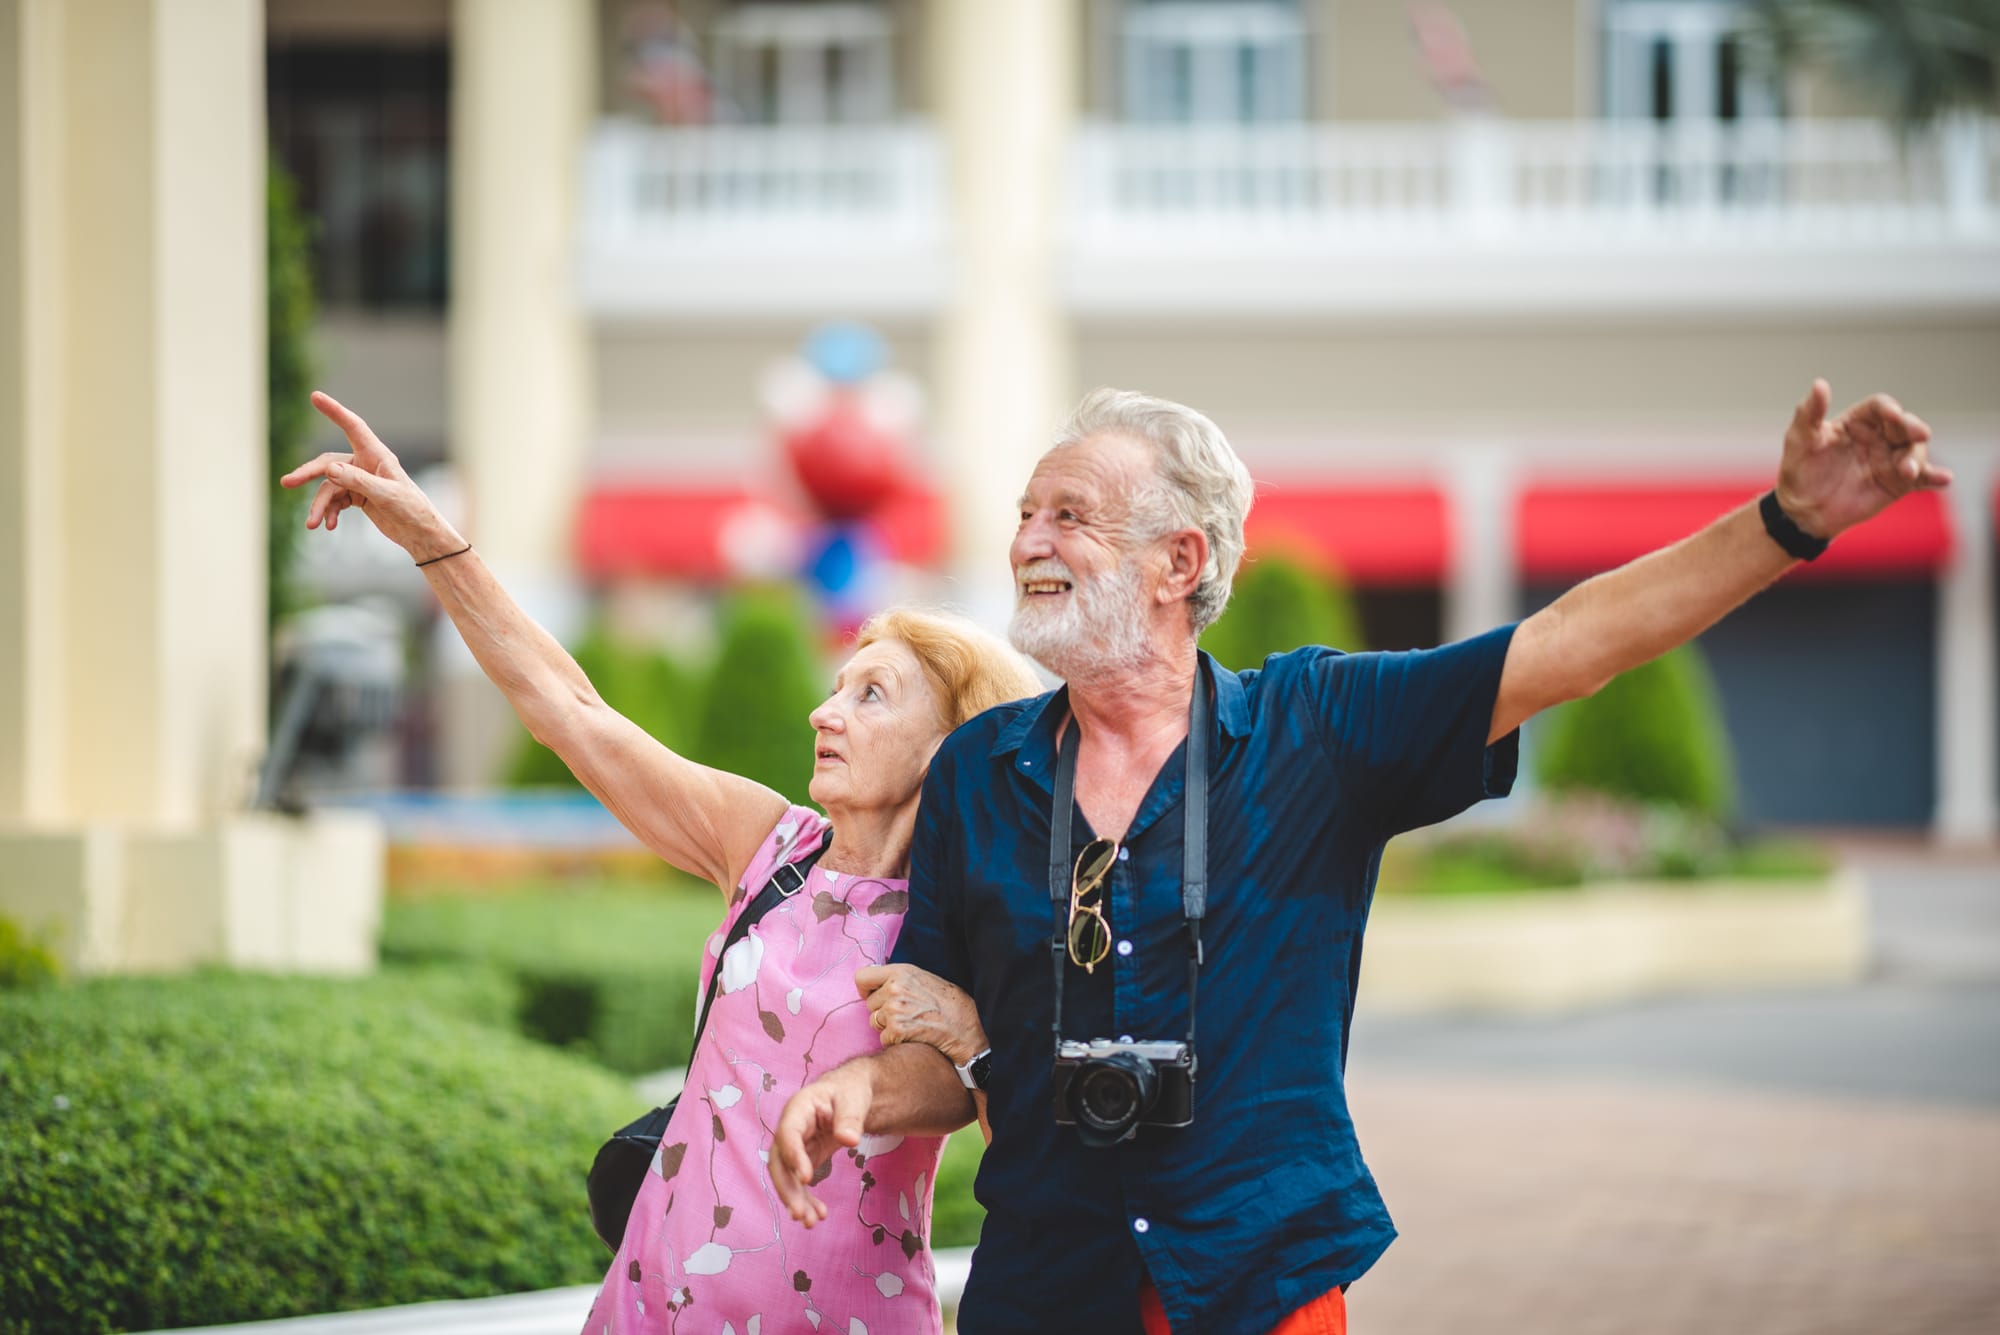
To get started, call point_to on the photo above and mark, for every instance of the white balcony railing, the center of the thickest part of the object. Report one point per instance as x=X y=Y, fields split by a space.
x=780 y=217
x=1486 y=215
x=1576 y=181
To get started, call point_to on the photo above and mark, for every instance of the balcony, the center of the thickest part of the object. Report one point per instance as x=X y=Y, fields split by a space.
x=789 y=221
x=1488 y=215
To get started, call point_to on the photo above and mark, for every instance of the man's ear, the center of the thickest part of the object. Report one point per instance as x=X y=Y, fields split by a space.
x=1186 y=557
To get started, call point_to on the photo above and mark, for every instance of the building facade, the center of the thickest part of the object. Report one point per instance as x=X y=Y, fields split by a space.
x=1489 y=298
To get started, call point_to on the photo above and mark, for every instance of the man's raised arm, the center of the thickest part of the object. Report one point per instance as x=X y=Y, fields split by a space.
x=1835 y=473
x=907 y=1090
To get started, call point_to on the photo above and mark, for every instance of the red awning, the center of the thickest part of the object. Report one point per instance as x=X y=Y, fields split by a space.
x=715 y=532
x=1373 y=533
x=1572 y=529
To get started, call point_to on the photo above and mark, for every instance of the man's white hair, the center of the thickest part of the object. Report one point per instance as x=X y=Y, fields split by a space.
x=1200 y=483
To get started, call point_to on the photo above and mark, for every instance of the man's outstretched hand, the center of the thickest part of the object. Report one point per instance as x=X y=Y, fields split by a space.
x=1839 y=471
x=819 y=1121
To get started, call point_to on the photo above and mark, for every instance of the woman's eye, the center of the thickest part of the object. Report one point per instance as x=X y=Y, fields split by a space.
x=870 y=693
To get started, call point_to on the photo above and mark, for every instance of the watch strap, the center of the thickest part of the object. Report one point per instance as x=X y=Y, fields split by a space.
x=972 y=1072
x=1785 y=531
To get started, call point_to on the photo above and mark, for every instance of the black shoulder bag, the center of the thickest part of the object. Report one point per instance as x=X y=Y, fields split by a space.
x=620 y=1167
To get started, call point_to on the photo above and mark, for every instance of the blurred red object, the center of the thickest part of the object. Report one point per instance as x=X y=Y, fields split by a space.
x=847 y=464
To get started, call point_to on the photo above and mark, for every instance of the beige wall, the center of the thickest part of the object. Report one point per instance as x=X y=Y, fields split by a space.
x=1533 y=53
x=1357 y=388
x=357 y=20
x=687 y=403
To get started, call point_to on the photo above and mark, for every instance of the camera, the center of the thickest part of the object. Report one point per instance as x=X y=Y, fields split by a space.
x=1108 y=1090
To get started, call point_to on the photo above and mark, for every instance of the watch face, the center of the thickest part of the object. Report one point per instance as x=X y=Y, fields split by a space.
x=981 y=1064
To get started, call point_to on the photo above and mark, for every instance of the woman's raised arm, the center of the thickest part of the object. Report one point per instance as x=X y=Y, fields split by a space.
x=702 y=820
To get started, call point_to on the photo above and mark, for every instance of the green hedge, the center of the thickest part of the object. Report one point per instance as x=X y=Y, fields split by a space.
x=1278 y=605
x=646 y=684
x=1654 y=734
x=609 y=971
x=226 y=1148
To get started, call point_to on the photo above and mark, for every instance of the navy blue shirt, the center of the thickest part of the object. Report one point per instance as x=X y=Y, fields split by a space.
x=1264 y=1203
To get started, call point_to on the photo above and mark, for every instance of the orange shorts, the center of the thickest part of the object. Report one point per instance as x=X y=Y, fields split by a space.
x=1324 y=1315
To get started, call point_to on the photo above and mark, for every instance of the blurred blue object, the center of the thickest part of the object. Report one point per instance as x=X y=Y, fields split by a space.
x=846 y=353
x=838 y=562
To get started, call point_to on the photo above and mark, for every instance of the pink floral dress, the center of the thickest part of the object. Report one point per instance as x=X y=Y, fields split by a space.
x=708 y=1247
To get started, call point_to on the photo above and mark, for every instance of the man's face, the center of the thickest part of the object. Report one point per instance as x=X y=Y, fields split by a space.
x=1079 y=583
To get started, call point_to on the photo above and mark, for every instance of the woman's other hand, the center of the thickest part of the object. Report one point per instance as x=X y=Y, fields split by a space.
x=372 y=480
x=909 y=1005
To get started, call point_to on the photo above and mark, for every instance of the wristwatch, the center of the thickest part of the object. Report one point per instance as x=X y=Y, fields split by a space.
x=972 y=1073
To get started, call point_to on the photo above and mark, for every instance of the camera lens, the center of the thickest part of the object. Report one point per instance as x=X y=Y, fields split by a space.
x=1112 y=1093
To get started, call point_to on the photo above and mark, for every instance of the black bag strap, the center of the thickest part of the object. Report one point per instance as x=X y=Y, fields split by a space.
x=786 y=881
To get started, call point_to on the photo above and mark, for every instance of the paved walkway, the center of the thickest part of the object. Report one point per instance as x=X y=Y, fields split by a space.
x=1578 y=1207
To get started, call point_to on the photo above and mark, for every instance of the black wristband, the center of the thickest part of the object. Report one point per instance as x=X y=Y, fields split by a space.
x=1795 y=540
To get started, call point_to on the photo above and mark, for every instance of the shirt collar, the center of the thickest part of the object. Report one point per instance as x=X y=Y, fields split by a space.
x=1032 y=732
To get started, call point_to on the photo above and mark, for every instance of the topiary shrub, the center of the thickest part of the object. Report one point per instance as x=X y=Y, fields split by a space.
x=226 y=1148
x=767 y=679
x=1277 y=605
x=645 y=684
x=1654 y=734
x=610 y=971
x=24 y=961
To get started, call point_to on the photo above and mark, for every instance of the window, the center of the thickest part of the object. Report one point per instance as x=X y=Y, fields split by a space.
x=364 y=129
x=1680 y=60
x=1214 y=63
x=805 y=64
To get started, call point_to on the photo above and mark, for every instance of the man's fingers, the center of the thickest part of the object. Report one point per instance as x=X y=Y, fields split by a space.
x=1812 y=408
x=866 y=980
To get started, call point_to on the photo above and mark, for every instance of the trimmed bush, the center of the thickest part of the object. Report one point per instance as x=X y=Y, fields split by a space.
x=955 y=1215
x=226 y=1148
x=1277 y=605
x=24 y=961
x=644 y=683
x=1654 y=734
x=767 y=679
x=609 y=971
x=289 y=370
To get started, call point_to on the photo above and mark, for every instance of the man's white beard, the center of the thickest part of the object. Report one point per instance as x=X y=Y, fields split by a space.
x=1100 y=627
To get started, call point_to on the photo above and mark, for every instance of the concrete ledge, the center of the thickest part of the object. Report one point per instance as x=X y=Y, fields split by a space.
x=251 y=891
x=1614 y=941
x=549 y=1312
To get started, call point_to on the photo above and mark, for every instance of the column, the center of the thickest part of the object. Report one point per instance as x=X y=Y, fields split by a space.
x=1482 y=588
x=523 y=87
x=1968 y=753
x=1005 y=77
x=132 y=455
x=31 y=584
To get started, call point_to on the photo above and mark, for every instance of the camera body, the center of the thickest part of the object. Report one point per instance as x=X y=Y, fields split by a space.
x=1107 y=1089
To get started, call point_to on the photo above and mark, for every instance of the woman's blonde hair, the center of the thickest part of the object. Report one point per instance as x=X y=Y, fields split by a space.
x=971 y=669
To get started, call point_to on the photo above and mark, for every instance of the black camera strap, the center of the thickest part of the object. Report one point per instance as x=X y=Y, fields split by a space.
x=1194 y=846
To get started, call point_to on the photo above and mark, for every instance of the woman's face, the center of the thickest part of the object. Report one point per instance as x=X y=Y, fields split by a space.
x=875 y=735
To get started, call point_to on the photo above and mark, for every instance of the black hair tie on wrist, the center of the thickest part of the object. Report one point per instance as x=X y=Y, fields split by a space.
x=446 y=557
x=1787 y=534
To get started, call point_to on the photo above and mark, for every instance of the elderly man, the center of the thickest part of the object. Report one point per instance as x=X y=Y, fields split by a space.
x=1154 y=881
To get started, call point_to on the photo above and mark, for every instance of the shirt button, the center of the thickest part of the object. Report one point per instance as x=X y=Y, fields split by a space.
x=1140 y=1226
x=1124 y=855
x=1124 y=947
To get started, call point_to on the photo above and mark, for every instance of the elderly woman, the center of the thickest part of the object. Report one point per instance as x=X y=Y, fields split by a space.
x=708 y=1240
